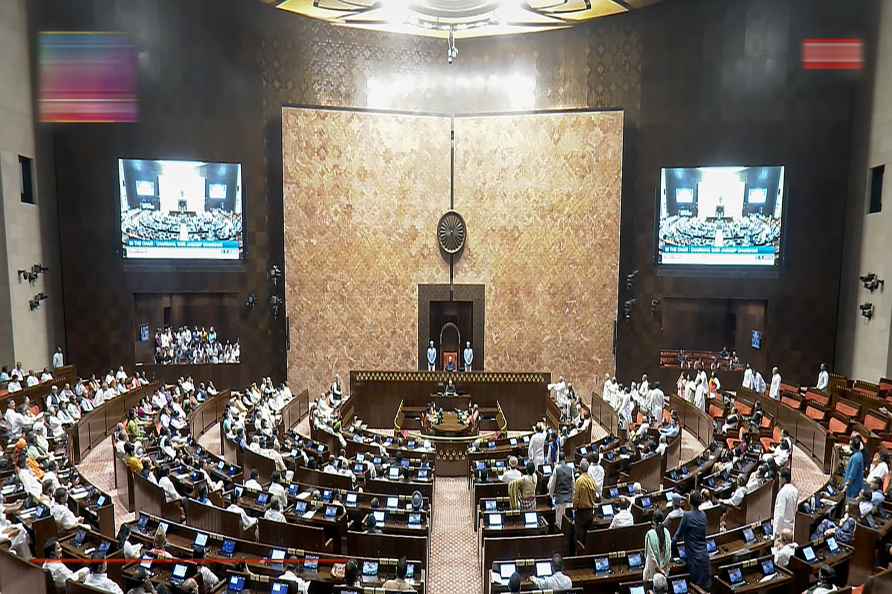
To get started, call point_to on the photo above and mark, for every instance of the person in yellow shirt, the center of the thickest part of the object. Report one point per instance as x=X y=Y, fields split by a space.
x=132 y=460
x=585 y=498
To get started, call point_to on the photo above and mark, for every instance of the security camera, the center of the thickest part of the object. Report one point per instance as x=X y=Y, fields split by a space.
x=872 y=282
x=451 y=50
x=866 y=310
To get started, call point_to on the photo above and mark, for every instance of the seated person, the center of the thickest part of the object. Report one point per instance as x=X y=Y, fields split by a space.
x=64 y=517
x=624 y=516
x=98 y=579
x=739 y=493
x=558 y=580
x=844 y=531
x=399 y=584
x=52 y=553
x=784 y=548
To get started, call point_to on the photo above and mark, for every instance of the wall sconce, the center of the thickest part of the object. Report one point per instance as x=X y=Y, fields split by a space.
x=872 y=282
x=276 y=303
x=33 y=274
x=35 y=302
x=627 y=308
x=866 y=310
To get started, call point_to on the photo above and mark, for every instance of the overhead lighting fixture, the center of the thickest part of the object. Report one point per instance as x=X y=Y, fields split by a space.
x=457 y=18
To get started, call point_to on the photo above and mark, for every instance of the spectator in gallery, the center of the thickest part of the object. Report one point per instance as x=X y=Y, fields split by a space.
x=58 y=358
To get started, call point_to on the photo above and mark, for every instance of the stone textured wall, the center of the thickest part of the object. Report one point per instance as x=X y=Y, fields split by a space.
x=362 y=195
x=541 y=197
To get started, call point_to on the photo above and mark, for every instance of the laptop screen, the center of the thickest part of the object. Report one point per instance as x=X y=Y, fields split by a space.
x=236 y=583
x=711 y=546
x=602 y=564
x=228 y=547
x=370 y=568
x=414 y=519
x=808 y=553
x=543 y=569
x=735 y=576
x=607 y=509
x=311 y=563
x=748 y=535
x=279 y=588
x=331 y=511
x=489 y=505
x=351 y=498
x=379 y=517
x=768 y=567
x=201 y=539
x=262 y=498
x=392 y=502
x=646 y=502
x=832 y=545
x=635 y=560
x=679 y=587
x=179 y=571
x=506 y=570
x=495 y=519
x=530 y=518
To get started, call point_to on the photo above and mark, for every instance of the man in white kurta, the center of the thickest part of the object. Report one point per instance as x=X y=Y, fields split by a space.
x=468 y=356
x=823 y=378
x=748 y=377
x=700 y=395
x=560 y=392
x=774 y=392
x=536 y=449
x=785 y=506
x=657 y=402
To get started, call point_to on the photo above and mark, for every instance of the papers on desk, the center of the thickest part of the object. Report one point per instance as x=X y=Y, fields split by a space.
x=308 y=515
x=303 y=496
x=8 y=489
x=79 y=496
x=495 y=578
x=768 y=578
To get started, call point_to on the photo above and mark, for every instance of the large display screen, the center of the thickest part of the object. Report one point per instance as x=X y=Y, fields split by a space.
x=180 y=209
x=726 y=216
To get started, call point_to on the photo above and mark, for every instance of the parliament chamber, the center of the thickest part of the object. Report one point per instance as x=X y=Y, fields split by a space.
x=445 y=296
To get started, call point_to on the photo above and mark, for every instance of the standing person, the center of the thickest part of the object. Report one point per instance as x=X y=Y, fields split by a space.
x=855 y=470
x=759 y=383
x=431 y=357
x=596 y=471
x=823 y=378
x=692 y=531
x=585 y=497
x=536 y=449
x=468 y=356
x=58 y=358
x=560 y=487
x=774 y=392
x=748 y=377
x=657 y=548
x=785 y=506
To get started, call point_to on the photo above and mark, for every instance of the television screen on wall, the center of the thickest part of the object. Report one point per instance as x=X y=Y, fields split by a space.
x=720 y=216
x=180 y=209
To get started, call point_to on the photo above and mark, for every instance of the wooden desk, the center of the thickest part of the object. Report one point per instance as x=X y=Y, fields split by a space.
x=377 y=394
x=752 y=575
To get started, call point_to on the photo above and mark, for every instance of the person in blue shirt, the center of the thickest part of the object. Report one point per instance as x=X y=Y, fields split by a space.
x=855 y=471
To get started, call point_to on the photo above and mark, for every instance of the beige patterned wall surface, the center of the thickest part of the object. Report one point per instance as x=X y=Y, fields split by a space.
x=362 y=194
x=541 y=197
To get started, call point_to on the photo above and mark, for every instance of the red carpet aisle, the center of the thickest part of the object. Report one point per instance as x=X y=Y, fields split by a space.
x=99 y=468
